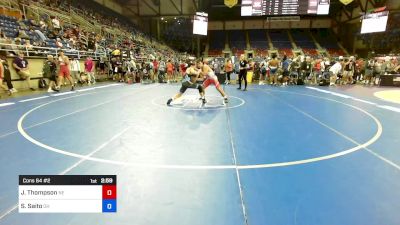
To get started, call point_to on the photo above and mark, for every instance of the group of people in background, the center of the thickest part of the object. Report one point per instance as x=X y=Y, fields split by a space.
x=269 y=70
x=306 y=70
x=150 y=69
x=56 y=69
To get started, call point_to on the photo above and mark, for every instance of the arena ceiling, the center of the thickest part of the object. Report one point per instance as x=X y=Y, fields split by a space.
x=216 y=9
x=160 y=8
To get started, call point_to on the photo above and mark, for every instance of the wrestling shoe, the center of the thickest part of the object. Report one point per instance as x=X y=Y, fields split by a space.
x=169 y=101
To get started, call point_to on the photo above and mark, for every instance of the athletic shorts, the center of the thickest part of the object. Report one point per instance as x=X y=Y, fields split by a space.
x=273 y=71
x=211 y=80
x=186 y=85
x=53 y=76
x=64 y=71
x=102 y=66
x=263 y=72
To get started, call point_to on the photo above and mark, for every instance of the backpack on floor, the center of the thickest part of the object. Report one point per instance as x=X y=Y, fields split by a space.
x=323 y=82
x=300 y=81
x=42 y=83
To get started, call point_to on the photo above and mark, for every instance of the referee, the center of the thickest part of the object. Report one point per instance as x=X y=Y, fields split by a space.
x=244 y=65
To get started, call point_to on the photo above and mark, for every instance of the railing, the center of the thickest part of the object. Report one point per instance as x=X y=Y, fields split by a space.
x=43 y=10
x=83 y=22
x=8 y=3
x=36 y=51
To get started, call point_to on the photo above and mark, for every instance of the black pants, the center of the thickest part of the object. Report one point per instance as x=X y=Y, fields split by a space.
x=7 y=79
x=242 y=75
x=228 y=76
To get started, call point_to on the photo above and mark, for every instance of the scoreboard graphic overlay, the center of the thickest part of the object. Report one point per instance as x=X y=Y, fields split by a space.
x=67 y=194
x=284 y=7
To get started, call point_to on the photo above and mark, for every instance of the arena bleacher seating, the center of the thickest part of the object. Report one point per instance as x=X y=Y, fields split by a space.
x=280 y=39
x=237 y=39
x=258 y=39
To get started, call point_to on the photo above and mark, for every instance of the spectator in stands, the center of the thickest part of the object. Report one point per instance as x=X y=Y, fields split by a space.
x=21 y=66
x=116 y=52
x=56 y=24
x=29 y=47
x=22 y=24
x=228 y=71
x=41 y=35
x=91 y=42
x=42 y=24
x=59 y=44
x=20 y=46
x=75 y=68
x=3 y=37
x=89 y=70
x=5 y=74
x=22 y=34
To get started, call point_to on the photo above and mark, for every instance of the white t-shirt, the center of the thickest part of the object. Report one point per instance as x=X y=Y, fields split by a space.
x=56 y=23
x=335 y=69
x=75 y=66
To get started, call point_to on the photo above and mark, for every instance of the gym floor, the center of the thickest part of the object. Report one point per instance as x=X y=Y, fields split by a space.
x=272 y=155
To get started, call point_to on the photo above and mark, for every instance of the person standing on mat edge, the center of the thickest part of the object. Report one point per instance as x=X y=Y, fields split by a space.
x=211 y=78
x=63 y=61
x=75 y=70
x=89 y=70
x=5 y=74
x=21 y=65
x=228 y=71
x=50 y=72
x=190 y=81
x=244 y=66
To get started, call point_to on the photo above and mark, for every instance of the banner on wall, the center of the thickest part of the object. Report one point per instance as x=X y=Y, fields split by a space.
x=346 y=2
x=230 y=3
